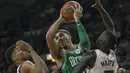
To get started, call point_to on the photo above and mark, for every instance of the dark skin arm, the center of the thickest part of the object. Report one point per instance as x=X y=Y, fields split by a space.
x=55 y=69
x=105 y=16
x=87 y=60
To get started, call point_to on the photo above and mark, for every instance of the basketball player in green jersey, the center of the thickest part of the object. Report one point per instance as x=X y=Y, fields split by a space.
x=67 y=54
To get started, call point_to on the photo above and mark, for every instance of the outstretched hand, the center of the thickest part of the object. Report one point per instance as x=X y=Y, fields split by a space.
x=24 y=46
x=60 y=16
x=77 y=12
x=97 y=4
x=62 y=19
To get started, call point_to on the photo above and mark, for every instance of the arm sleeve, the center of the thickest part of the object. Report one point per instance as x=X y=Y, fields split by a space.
x=83 y=36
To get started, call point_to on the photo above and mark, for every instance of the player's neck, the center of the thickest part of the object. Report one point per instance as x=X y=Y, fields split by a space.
x=70 y=47
x=106 y=51
x=19 y=62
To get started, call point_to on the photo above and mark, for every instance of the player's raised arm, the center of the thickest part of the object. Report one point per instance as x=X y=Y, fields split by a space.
x=54 y=50
x=83 y=36
x=39 y=62
x=39 y=65
x=105 y=16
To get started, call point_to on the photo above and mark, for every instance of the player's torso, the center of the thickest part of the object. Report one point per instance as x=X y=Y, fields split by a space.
x=72 y=59
x=105 y=63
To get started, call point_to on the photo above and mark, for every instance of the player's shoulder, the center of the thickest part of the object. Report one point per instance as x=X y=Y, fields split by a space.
x=112 y=52
x=90 y=52
x=26 y=64
x=26 y=67
x=98 y=51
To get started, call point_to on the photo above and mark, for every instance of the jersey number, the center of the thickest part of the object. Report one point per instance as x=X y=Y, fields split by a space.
x=108 y=71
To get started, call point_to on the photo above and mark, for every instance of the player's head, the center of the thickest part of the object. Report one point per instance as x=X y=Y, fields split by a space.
x=63 y=38
x=15 y=55
x=106 y=41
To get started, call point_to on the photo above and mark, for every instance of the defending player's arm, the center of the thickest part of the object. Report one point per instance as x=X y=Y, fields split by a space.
x=105 y=16
x=82 y=65
x=87 y=60
x=54 y=50
x=55 y=69
x=39 y=65
x=83 y=36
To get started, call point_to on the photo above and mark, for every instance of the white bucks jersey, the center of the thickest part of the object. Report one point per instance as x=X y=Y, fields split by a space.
x=105 y=63
x=18 y=69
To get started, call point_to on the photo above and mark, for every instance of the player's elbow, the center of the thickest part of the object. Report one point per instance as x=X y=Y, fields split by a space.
x=86 y=44
x=49 y=40
x=38 y=68
x=49 y=36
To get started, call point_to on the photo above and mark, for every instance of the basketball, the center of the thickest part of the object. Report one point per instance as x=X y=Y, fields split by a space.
x=67 y=13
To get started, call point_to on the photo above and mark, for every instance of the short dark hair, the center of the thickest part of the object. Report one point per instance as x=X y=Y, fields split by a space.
x=63 y=30
x=8 y=54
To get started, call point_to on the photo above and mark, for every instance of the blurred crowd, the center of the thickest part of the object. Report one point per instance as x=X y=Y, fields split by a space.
x=32 y=25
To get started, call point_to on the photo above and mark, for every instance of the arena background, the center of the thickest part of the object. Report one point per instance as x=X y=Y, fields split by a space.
x=29 y=20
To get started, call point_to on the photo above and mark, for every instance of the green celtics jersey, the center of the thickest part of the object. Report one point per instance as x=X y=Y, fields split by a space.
x=72 y=58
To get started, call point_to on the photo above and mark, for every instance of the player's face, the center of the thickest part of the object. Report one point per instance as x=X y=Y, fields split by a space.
x=102 y=46
x=63 y=39
x=22 y=55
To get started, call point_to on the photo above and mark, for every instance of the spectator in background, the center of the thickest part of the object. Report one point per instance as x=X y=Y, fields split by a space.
x=123 y=45
x=12 y=69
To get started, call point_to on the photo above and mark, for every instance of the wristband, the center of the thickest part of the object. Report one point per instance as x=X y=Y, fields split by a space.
x=78 y=23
